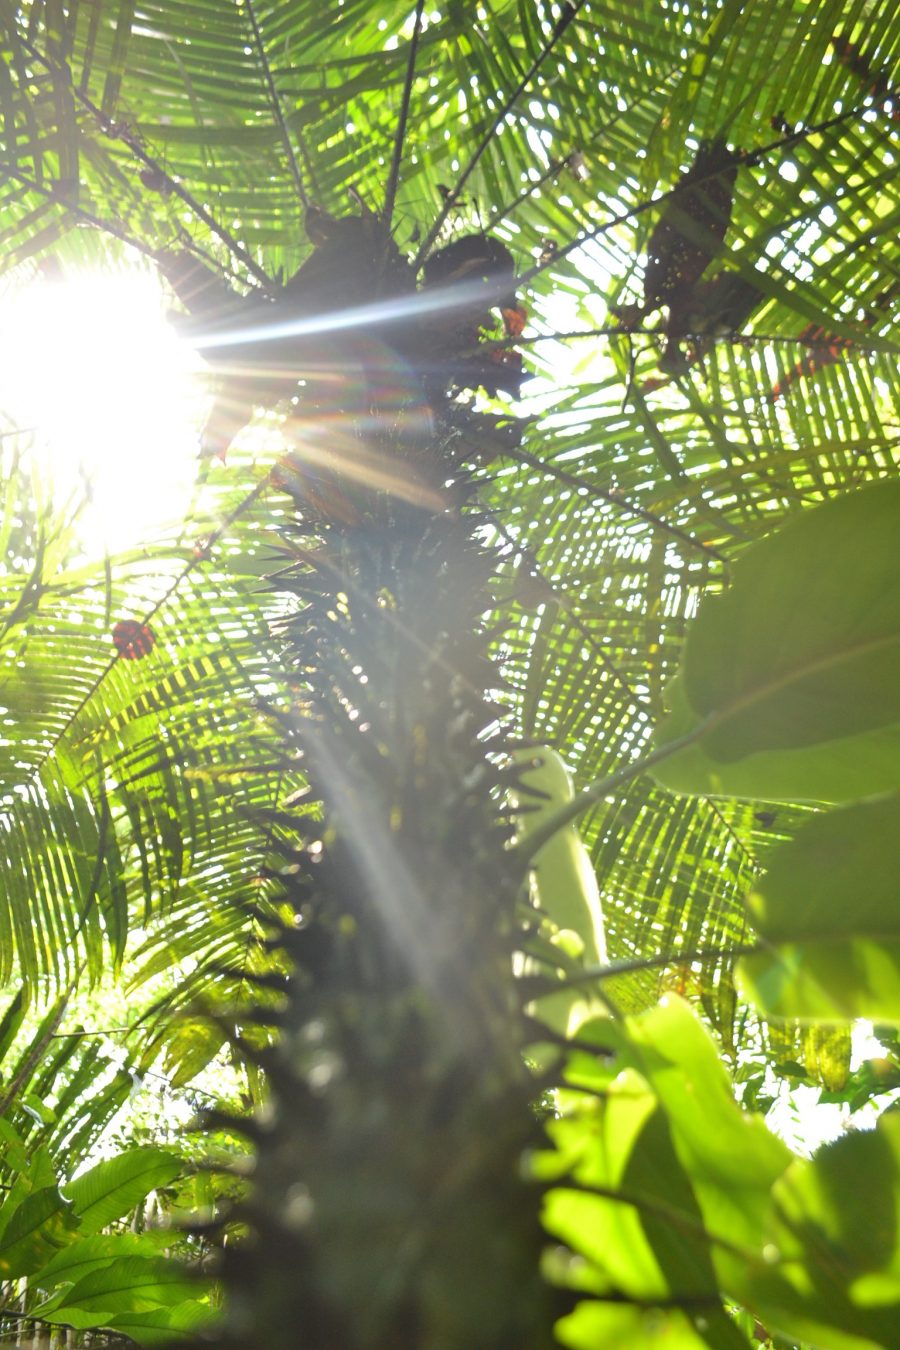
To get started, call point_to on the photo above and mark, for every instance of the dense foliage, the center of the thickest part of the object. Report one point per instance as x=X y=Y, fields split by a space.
x=277 y=769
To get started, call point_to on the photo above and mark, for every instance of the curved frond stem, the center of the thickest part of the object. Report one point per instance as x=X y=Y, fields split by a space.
x=130 y=139
x=601 y=787
x=720 y=340
x=278 y=114
x=570 y=12
x=390 y=192
x=613 y=498
x=607 y=664
x=675 y=958
x=185 y=572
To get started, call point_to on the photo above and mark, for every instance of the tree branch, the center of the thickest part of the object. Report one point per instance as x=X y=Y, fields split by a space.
x=276 y=105
x=568 y=14
x=634 y=965
x=172 y=184
x=390 y=191
x=527 y=848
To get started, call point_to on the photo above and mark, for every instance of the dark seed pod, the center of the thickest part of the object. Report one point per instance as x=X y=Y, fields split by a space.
x=133 y=640
x=692 y=227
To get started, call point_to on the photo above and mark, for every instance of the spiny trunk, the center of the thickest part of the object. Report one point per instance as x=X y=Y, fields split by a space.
x=388 y=1207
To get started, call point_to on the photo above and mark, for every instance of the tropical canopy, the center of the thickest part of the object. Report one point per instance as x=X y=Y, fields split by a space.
x=482 y=780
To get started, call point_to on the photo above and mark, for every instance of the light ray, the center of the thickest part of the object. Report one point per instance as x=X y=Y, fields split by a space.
x=89 y=360
x=460 y=295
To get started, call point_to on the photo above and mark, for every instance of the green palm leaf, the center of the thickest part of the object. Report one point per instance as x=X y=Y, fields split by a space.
x=631 y=500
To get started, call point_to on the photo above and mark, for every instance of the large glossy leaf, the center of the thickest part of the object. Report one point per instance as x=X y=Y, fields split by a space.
x=132 y=1285
x=160 y=1326
x=790 y=677
x=670 y=1193
x=730 y=1156
x=595 y=1326
x=834 y=1273
x=111 y=1188
x=85 y=1254
x=34 y=1226
x=670 y=1182
x=624 y=1144
x=827 y=910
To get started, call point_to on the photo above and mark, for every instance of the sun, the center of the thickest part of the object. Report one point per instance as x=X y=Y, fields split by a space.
x=89 y=363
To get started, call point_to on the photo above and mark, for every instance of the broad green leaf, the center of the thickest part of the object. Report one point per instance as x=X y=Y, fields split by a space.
x=729 y=1155
x=39 y=1224
x=836 y=878
x=790 y=678
x=828 y=904
x=133 y=1284
x=668 y=1188
x=819 y=981
x=112 y=1188
x=159 y=1326
x=670 y=1180
x=86 y=1254
x=832 y=771
x=599 y=1326
x=833 y=1253
x=612 y=1144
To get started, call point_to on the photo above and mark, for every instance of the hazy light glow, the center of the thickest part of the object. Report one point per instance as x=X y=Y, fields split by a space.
x=443 y=299
x=91 y=364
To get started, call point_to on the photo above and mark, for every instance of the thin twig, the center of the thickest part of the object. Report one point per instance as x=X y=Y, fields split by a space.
x=400 y=134
x=276 y=105
x=528 y=847
x=129 y=139
x=569 y=12
x=612 y=497
x=629 y=967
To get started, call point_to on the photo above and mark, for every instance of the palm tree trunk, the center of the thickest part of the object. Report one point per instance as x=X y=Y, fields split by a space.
x=388 y=1208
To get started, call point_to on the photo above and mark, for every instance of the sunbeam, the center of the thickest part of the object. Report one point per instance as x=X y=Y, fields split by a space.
x=459 y=296
x=88 y=360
